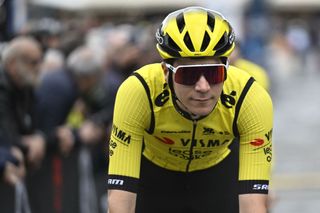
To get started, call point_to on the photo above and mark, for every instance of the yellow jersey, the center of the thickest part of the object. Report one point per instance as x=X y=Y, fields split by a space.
x=147 y=123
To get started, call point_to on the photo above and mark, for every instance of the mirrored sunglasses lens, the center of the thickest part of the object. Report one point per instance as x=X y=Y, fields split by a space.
x=215 y=75
x=190 y=75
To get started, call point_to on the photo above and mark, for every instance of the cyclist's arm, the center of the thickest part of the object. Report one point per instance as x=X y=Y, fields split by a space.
x=253 y=203
x=121 y=201
x=255 y=127
x=131 y=118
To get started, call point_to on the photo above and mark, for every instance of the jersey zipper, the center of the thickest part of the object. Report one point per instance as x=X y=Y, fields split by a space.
x=193 y=143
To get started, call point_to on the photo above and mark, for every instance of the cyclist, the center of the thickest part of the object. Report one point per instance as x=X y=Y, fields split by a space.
x=191 y=134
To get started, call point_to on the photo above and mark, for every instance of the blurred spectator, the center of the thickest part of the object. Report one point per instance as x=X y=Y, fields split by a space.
x=48 y=32
x=84 y=81
x=12 y=169
x=283 y=61
x=298 y=36
x=123 y=51
x=19 y=71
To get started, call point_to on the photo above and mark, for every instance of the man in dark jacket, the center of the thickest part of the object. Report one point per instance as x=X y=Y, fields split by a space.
x=18 y=76
x=63 y=179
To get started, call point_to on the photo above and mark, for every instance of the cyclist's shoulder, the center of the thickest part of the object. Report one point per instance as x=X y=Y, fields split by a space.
x=151 y=76
x=236 y=77
x=150 y=71
x=240 y=81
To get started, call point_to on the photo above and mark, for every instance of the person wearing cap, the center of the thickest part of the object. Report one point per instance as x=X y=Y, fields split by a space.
x=191 y=134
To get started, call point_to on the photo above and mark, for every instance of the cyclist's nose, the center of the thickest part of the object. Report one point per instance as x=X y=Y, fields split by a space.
x=202 y=84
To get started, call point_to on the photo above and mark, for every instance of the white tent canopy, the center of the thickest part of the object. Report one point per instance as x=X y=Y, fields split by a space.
x=115 y=4
x=112 y=5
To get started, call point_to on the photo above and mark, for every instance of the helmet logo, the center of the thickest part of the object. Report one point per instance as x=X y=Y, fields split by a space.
x=231 y=37
x=159 y=37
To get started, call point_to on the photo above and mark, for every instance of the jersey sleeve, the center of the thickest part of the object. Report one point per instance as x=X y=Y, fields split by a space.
x=131 y=118
x=255 y=125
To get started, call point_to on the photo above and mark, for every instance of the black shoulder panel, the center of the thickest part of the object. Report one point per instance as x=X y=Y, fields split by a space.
x=145 y=85
x=238 y=105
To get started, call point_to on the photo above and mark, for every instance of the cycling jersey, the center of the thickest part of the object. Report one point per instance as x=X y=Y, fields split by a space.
x=146 y=121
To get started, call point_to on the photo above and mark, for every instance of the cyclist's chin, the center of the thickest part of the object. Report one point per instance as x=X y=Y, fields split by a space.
x=202 y=110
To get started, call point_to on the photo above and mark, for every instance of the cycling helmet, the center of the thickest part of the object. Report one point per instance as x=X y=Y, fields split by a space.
x=194 y=32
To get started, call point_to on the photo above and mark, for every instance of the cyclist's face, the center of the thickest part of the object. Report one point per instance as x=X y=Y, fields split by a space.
x=201 y=97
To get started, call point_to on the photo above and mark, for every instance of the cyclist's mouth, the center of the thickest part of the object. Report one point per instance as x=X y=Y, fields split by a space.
x=202 y=100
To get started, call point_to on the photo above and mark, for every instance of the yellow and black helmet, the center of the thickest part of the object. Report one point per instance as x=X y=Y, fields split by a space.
x=195 y=32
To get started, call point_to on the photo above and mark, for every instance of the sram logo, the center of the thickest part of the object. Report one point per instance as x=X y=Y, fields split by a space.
x=115 y=182
x=260 y=186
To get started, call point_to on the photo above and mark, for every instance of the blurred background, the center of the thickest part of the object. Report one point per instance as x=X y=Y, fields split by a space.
x=281 y=36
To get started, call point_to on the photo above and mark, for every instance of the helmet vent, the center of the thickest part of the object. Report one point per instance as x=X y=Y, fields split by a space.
x=180 y=22
x=210 y=21
x=205 y=42
x=222 y=42
x=173 y=44
x=223 y=45
x=188 y=42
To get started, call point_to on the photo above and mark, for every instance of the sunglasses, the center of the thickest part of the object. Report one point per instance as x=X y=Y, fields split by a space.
x=190 y=74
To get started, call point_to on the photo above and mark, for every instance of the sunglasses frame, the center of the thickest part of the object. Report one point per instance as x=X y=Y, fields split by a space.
x=174 y=69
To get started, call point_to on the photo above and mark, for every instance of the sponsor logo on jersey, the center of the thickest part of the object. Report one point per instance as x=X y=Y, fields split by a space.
x=121 y=135
x=165 y=140
x=228 y=100
x=112 y=146
x=115 y=182
x=268 y=152
x=264 y=145
x=186 y=153
x=257 y=142
x=162 y=98
x=268 y=135
x=203 y=142
x=210 y=131
x=260 y=186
